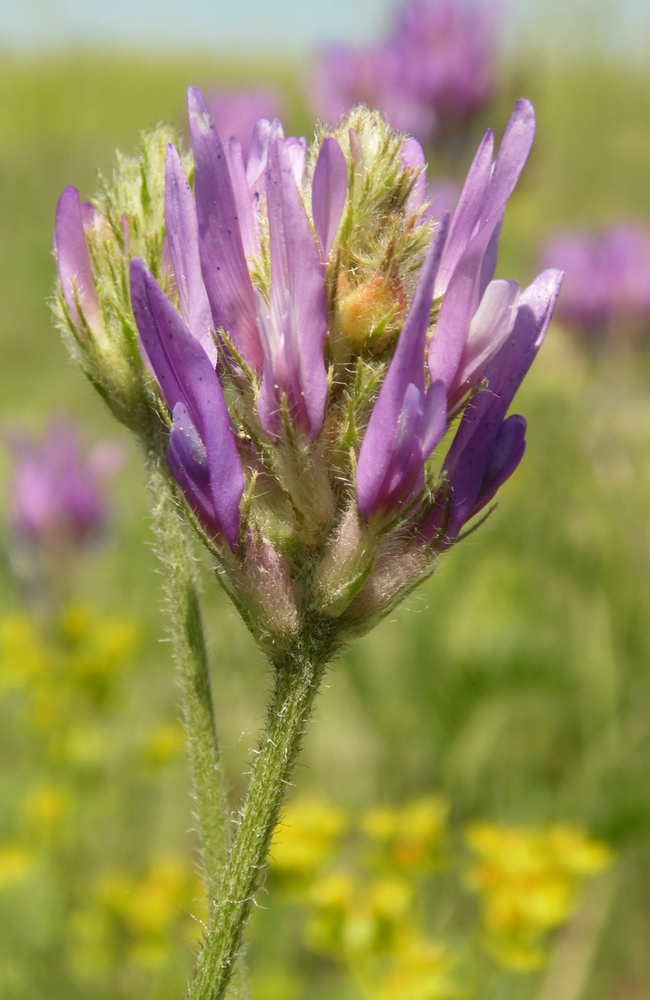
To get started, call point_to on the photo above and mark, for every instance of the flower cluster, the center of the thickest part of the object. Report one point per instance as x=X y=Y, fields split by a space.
x=57 y=498
x=606 y=295
x=367 y=900
x=313 y=333
x=430 y=77
x=528 y=880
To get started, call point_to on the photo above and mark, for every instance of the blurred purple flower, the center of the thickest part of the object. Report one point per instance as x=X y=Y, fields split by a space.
x=430 y=76
x=345 y=77
x=57 y=499
x=237 y=112
x=607 y=286
x=447 y=50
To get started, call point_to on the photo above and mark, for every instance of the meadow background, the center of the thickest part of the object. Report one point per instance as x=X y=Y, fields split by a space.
x=516 y=682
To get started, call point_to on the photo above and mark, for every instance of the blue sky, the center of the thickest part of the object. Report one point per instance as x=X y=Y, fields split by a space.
x=260 y=24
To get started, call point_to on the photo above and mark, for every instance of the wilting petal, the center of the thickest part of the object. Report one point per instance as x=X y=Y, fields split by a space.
x=73 y=262
x=183 y=238
x=384 y=445
x=295 y=324
x=223 y=261
x=329 y=192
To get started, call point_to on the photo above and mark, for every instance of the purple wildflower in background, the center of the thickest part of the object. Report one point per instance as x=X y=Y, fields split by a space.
x=57 y=497
x=374 y=76
x=447 y=49
x=237 y=112
x=430 y=76
x=606 y=294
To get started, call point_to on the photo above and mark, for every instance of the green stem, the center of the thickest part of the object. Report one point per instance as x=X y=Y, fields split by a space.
x=297 y=682
x=179 y=570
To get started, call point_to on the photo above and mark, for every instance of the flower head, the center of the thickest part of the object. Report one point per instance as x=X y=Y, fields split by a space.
x=57 y=494
x=314 y=330
x=430 y=76
x=607 y=289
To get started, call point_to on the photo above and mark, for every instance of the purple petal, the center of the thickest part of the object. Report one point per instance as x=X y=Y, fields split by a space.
x=297 y=152
x=413 y=158
x=73 y=262
x=468 y=211
x=473 y=447
x=488 y=330
x=241 y=190
x=508 y=452
x=257 y=158
x=188 y=463
x=183 y=238
x=295 y=323
x=329 y=192
x=225 y=272
x=511 y=158
x=382 y=449
x=186 y=376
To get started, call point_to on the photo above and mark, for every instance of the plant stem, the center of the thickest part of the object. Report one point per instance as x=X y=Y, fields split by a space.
x=179 y=570
x=297 y=682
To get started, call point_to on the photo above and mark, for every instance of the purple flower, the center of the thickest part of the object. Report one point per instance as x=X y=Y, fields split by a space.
x=446 y=49
x=280 y=337
x=429 y=77
x=237 y=112
x=345 y=77
x=607 y=287
x=73 y=262
x=484 y=339
x=57 y=499
x=314 y=328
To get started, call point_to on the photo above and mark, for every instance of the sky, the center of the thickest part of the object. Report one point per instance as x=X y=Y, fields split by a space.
x=263 y=25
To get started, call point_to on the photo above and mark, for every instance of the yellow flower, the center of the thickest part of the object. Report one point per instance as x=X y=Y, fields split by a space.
x=45 y=809
x=17 y=863
x=410 y=836
x=528 y=881
x=163 y=745
x=351 y=917
x=306 y=837
x=420 y=970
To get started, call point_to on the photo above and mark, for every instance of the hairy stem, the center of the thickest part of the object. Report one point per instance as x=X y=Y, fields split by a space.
x=297 y=683
x=181 y=585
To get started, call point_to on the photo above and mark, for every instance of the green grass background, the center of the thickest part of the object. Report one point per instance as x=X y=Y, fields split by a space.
x=517 y=681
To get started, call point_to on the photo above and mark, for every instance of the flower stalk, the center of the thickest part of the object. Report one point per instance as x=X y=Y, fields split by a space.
x=297 y=681
x=179 y=571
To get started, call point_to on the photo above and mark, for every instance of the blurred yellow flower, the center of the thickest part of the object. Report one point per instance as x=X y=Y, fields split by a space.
x=528 y=882
x=46 y=809
x=420 y=970
x=16 y=864
x=162 y=746
x=409 y=836
x=354 y=917
x=306 y=837
x=137 y=921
